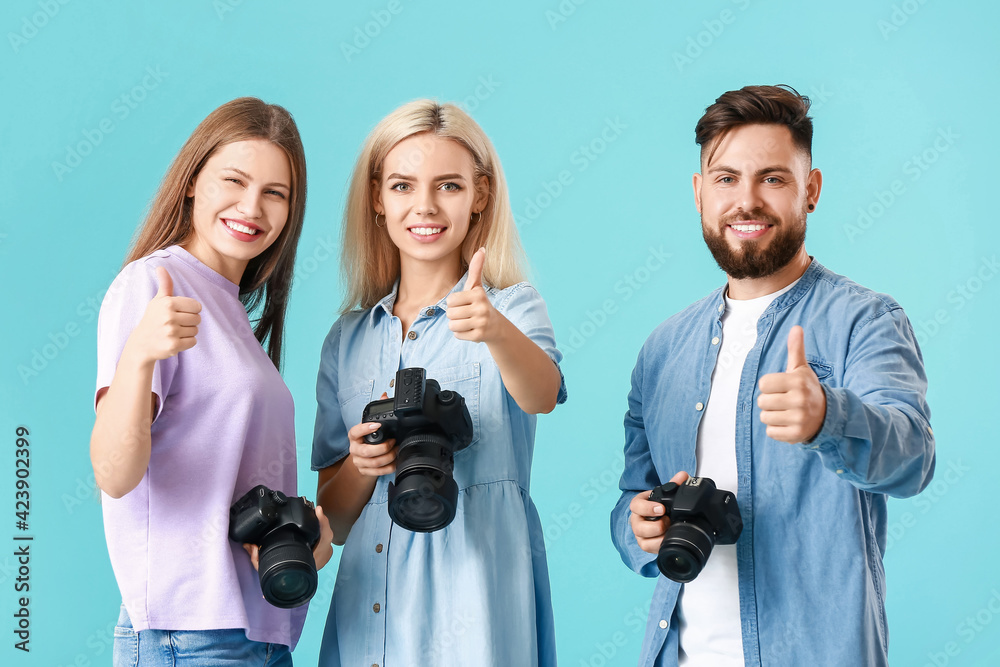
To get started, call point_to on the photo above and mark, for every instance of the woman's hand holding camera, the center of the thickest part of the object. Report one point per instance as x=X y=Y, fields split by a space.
x=647 y=520
x=321 y=554
x=169 y=325
x=371 y=460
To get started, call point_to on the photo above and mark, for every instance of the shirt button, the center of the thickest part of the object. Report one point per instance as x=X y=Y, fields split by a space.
x=430 y=312
x=930 y=431
x=840 y=471
x=715 y=340
x=378 y=548
x=722 y=307
x=663 y=624
x=699 y=406
x=412 y=335
x=376 y=607
x=392 y=382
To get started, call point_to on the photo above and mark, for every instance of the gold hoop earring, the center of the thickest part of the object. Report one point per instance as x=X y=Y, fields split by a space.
x=476 y=221
x=376 y=221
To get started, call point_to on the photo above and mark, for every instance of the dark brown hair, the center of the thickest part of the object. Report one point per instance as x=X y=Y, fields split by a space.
x=781 y=105
x=268 y=277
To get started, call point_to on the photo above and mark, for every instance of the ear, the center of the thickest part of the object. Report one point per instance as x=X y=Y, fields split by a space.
x=813 y=187
x=696 y=185
x=376 y=194
x=482 y=194
x=189 y=191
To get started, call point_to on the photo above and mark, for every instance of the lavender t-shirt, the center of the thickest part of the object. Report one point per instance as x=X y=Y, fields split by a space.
x=224 y=424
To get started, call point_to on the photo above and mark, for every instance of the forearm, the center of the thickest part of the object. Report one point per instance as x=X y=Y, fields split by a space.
x=120 y=441
x=530 y=376
x=343 y=493
x=880 y=448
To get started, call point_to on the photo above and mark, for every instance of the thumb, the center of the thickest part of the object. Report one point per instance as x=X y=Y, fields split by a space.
x=475 y=278
x=165 y=282
x=796 y=349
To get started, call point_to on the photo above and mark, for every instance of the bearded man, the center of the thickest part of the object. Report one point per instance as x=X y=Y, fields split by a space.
x=795 y=388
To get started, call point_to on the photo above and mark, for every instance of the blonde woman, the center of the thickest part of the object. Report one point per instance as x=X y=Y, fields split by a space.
x=191 y=411
x=434 y=276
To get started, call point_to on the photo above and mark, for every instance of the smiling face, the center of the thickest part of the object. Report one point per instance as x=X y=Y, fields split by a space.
x=753 y=196
x=428 y=193
x=241 y=198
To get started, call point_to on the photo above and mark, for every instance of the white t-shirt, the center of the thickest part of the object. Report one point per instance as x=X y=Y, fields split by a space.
x=710 y=633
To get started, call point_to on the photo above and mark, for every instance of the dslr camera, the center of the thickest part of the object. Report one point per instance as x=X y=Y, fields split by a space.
x=701 y=516
x=286 y=530
x=429 y=424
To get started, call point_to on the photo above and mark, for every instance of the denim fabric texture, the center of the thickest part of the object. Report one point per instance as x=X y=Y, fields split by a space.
x=811 y=580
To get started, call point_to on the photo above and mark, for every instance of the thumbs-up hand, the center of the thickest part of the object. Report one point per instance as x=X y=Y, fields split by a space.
x=472 y=316
x=793 y=404
x=169 y=325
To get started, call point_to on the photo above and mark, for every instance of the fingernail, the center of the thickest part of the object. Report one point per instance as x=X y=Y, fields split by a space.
x=373 y=426
x=658 y=509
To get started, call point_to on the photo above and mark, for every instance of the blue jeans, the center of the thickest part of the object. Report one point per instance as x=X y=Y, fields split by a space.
x=201 y=648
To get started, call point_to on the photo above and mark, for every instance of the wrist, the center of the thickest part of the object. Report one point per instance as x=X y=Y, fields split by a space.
x=134 y=357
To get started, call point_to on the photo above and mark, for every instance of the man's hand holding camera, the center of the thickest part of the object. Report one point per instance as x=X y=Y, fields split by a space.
x=793 y=404
x=648 y=521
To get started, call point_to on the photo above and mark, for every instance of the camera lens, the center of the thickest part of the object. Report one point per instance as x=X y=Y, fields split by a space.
x=287 y=569
x=424 y=496
x=684 y=551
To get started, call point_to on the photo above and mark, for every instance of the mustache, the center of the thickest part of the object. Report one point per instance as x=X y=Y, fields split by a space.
x=743 y=216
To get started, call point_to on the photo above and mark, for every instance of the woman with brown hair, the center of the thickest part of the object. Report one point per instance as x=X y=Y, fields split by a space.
x=434 y=276
x=191 y=411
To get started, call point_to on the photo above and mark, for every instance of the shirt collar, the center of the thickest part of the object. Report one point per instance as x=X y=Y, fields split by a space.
x=804 y=284
x=385 y=305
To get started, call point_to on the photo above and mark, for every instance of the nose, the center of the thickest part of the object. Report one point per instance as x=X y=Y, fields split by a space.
x=249 y=203
x=426 y=204
x=749 y=197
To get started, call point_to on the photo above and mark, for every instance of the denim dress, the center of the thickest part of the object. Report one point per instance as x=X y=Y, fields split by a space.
x=477 y=591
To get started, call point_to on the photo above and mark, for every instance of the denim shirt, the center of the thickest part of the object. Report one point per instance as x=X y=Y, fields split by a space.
x=809 y=559
x=477 y=591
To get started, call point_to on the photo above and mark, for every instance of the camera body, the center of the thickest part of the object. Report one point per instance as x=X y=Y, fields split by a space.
x=429 y=425
x=286 y=530
x=701 y=516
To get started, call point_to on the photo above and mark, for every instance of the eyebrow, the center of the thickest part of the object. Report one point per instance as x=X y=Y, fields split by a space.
x=250 y=178
x=442 y=177
x=760 y=172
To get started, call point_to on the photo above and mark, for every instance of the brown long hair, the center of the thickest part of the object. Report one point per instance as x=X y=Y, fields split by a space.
x=266 y=282
x=779 y=105
x=369 y=260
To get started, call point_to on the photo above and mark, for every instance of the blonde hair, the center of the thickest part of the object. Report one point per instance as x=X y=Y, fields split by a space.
x=267 y=279
x=370 y=260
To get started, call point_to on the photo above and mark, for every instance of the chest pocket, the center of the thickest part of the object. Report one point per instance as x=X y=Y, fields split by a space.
x=465 y=380
x=823 y=370
x=353 y=400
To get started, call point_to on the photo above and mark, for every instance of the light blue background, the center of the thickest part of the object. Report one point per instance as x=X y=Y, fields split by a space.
x=542 y=88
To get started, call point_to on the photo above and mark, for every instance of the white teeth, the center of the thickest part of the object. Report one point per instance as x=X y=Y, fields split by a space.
x=240 y=228
x=748 y=228
x=425 y=231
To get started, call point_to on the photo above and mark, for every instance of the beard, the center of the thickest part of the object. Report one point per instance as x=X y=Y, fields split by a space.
x=750 y=260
